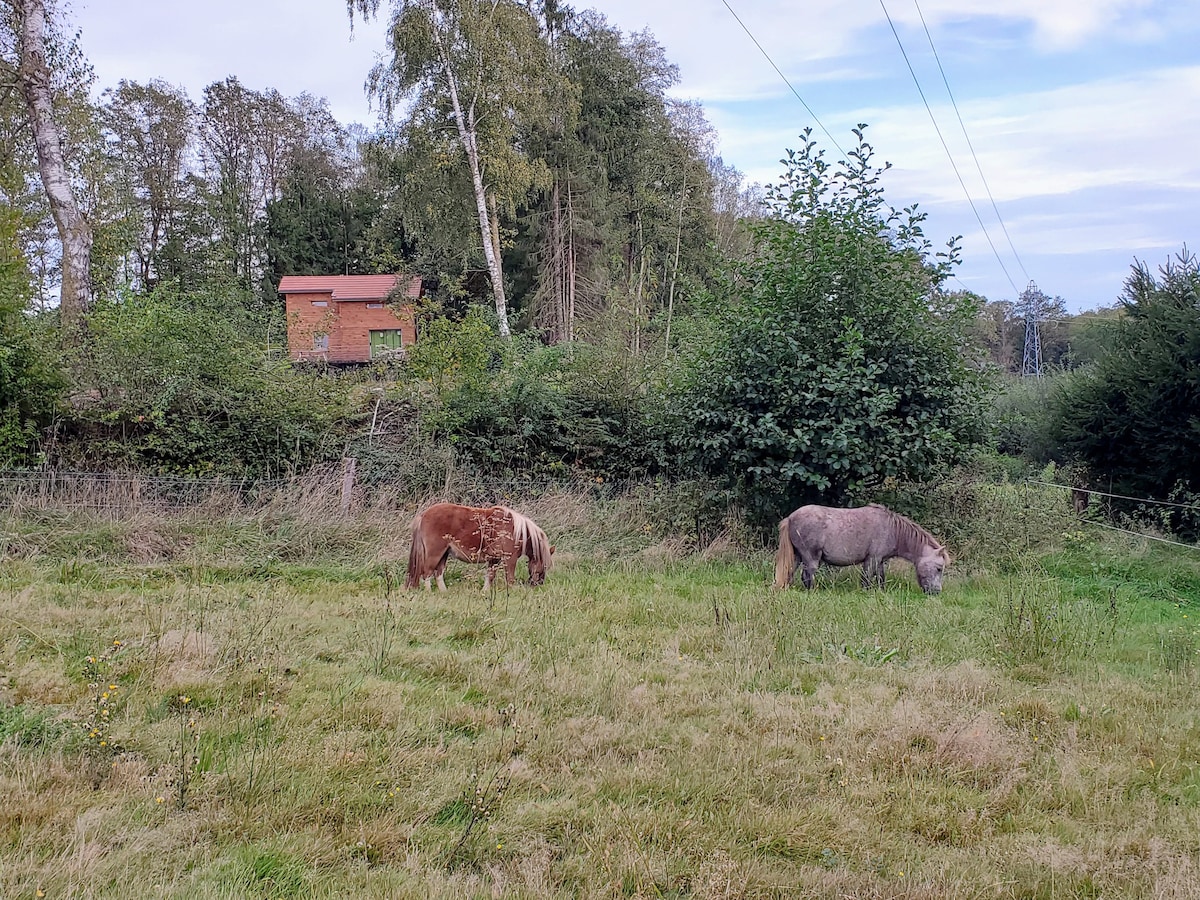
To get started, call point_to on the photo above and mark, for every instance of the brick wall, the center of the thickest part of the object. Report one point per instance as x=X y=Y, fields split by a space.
x=348 y=323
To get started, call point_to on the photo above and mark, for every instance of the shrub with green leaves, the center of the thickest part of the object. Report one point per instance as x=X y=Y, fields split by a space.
x=31 y=383
x=182 y=383
x=1134 y=416
x=516 y=405
x=835 y=359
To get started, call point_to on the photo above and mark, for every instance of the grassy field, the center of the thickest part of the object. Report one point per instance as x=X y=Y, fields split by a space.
x=205 y=708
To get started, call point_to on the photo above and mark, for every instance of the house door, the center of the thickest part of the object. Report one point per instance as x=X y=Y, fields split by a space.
x=386 y=341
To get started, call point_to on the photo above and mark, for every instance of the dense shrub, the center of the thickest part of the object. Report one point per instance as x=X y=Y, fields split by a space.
x=1133 y=418
x=835 y=359
x=518 y=406
x=1023 y=416
x=184 y=384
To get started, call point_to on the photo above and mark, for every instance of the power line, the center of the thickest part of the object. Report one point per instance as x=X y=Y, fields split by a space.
x=962 y=125
x=767 y=56
x=946 y=147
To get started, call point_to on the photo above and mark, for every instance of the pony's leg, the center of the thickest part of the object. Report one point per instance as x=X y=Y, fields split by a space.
x=489 y=576
x=808 y=573
x=872 y=573
x=440 y=570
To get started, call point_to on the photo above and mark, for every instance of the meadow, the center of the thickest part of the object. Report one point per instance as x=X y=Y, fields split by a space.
x=211 y=704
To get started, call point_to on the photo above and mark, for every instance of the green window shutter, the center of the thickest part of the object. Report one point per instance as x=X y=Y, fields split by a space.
x=386 y=341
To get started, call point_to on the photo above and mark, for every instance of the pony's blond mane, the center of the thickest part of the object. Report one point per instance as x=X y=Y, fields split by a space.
x=528 y=535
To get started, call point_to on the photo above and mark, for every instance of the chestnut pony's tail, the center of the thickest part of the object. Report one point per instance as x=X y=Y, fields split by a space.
x=416 y=556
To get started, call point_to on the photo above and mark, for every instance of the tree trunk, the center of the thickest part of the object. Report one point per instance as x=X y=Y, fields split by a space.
x=488 y=231
x=73 y=229
x=555 y=274
x=570 y=310
x=675 y=267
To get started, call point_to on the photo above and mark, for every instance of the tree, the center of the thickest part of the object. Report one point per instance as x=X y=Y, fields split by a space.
x=30 y=384
x=149 y=131
x=481 y=61
x=36 y=81
x=1133 y=417
x=999 y=332
x=628 y=224
x=834 y=359
x=232 y=172
x=319 y=220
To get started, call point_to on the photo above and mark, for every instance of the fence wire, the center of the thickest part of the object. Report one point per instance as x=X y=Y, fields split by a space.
x=325 y=489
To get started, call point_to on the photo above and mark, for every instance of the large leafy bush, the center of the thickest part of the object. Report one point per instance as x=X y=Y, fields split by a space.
x=835 y=360
x=183 y=383
x=517 y=406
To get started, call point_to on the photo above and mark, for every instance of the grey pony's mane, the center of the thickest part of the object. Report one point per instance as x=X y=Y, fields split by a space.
x=910 y=532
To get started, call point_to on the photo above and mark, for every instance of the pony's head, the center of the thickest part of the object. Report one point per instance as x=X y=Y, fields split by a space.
x=930 y=567
x=533 y=545
x=540 y=560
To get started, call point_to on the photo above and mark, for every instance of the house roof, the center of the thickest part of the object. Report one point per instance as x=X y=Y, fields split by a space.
x=350 y=287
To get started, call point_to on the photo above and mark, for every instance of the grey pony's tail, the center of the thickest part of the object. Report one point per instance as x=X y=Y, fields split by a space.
x=785 y=558
x=416 y=556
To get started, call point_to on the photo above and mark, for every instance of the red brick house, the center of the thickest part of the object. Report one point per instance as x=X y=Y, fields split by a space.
x=347 y=318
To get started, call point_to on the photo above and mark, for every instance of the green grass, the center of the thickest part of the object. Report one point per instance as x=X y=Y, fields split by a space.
x=646 y=724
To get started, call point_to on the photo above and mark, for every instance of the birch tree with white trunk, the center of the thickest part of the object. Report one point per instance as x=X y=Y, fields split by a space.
x=36 y=83
x=483 y=62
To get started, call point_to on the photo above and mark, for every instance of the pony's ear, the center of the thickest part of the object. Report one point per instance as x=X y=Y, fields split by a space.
x=551 y=549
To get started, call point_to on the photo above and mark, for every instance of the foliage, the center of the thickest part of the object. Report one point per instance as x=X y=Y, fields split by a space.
x=520 y=406
x=630 y=217
x=148 y=130
x=835 y=359
x=1134 y=416
x=30 y=382
x=1023 y=422
x=181 y=383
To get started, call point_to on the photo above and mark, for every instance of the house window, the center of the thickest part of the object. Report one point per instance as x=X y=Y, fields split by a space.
x=386 y=341
x=320 y=303
x=374 y=306
x=321 y=342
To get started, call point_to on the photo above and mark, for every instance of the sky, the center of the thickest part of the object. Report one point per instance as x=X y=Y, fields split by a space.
x=1059 y=138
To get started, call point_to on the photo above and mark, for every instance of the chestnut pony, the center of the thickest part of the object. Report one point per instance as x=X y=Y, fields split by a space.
x=495 y=535
x=870 y=535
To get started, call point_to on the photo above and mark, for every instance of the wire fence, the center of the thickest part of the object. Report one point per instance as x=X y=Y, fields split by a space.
x=328 y=489
x=125 y=493
x=969 y=515
x=1081 y=498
